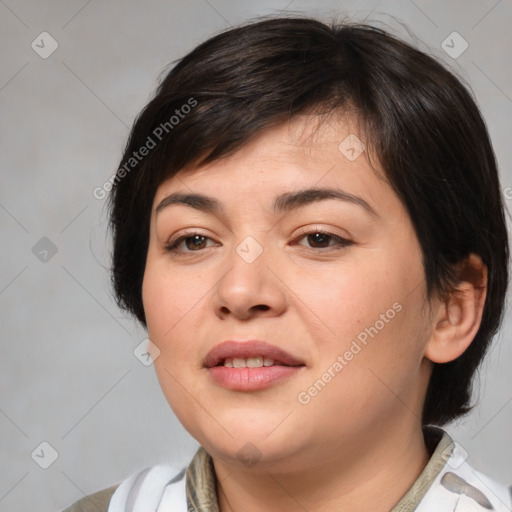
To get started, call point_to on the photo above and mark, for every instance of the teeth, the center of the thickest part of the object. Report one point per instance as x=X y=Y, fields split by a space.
x=250 y=362
x=239 y=363
x=255 y=362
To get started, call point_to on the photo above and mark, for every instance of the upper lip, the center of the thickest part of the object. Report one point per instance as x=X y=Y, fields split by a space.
x=250 y=348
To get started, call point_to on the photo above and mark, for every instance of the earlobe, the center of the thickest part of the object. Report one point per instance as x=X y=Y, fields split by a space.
x=458 y=317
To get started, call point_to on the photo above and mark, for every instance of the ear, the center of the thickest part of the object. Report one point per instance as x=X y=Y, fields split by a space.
x=457 y=318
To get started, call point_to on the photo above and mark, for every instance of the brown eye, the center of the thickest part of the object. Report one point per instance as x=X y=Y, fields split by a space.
x=324 y=240
x=193 y=242
x=319 y=239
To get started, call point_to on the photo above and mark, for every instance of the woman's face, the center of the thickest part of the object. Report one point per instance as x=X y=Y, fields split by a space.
x=331 y=286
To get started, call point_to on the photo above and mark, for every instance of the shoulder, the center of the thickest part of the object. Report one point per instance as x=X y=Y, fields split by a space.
x=143 y=490
x=456 y=486
x=97 y=502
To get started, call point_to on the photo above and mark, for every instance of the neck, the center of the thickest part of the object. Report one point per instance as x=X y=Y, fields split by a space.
x=373 y=475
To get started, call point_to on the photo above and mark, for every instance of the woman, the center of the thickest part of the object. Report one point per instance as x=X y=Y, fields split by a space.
x=308 y=220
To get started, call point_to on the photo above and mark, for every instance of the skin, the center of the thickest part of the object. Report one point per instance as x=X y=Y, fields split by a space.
x=358 y=444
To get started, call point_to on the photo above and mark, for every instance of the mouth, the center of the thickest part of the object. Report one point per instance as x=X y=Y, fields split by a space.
x=249 y=354
x=250 y=365
x=249 y=362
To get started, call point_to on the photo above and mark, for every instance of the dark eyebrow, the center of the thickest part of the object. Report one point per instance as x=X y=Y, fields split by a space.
x=291 y=200
x=197 y=201
x=283 y=203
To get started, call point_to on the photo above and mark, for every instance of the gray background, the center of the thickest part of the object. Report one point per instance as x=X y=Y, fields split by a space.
x=68 y=374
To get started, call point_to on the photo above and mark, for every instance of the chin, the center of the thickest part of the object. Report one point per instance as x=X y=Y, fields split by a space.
x=254 y=442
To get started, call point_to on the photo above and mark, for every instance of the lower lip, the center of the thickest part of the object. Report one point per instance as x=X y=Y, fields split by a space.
x=251 y=379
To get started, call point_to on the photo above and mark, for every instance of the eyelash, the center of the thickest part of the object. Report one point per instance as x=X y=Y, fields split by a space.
x=173 y=245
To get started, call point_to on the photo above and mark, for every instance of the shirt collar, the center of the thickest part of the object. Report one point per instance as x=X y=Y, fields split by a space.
x=440 y=445
x=201 y=482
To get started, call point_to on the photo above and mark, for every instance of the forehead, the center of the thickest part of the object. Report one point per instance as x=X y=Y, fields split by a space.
x=304 y=153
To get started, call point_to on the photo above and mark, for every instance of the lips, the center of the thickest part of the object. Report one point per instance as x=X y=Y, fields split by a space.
x=249 y=349
x=250 y=365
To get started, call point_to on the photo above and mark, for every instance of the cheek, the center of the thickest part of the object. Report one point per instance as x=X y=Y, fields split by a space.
x=172 y=302
x=167 y=293
x=368 y=315
x=169 y=299
x=380 y=367
x=347 y=300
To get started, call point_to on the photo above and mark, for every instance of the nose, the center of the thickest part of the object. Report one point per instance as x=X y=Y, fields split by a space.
x=250 y=288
